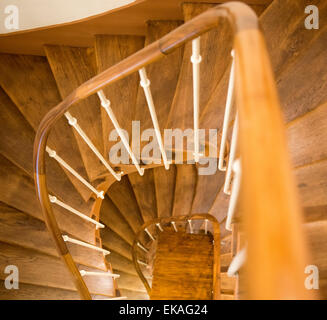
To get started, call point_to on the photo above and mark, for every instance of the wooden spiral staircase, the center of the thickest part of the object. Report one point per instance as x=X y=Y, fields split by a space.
x=32 y=85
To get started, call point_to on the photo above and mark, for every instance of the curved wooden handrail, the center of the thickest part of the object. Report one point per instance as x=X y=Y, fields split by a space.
x=265 y=162
x=165 y=220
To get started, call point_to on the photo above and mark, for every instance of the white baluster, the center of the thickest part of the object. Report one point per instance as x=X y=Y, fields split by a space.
x=73 y=122
x=174 y=225
x=149 y=234
x=159 y=227
x=237 y=262
x=206 y=226
x=142 y=263
x=228 y=108
x=231 y=156
x=142 y=247
x=84 y=244
x=106 y=105
x=54 y=199
x=145 y=84
x=190 y=225
x=85 y=273
x=234 y=194
x=196 y=60
x=54 y=155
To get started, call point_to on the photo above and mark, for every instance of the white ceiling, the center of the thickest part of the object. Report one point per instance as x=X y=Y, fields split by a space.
x=42 y=13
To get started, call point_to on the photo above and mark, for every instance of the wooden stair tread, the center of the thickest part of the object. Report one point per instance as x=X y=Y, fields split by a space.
x=23 y=230
x=134 y=295
x=162 y=87
x=43 y=270
x=29 y=83
x=112 y=217
x=130 y=282
x=114 y=242
x=122 y=195
x=14 y=179
x=164 y=181
x=71 y=67
x=18 y=147
x=186 y=178
x=109 y=50
x=211 y=69
x=182 y=267
x=144 y=190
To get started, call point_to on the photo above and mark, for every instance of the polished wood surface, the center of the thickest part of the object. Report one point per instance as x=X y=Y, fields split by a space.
x=182 y=267
x=215 y=281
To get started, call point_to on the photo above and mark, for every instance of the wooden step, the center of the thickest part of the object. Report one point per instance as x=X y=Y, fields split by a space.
x=298 y=57
x=163 y=76
x=43 y=270
x=312 y=184
x=134 y=295
x=186 y=179
x=227 y=297
x=220 y=206
x=17 y=138
x=35 y=292
x=29 y=83
x=212 y=112
x=144 y=190
x=109 y=50
x=214 y=48
x=113 y=242
x=164 y=181
x=130 y=282
x=23 y=230
x=17 y=190
x=112 y=217
x=225 y=260
x=122 y=195
x=183 y=267
x=71 y=67
x=227 y=285
x=307 y=140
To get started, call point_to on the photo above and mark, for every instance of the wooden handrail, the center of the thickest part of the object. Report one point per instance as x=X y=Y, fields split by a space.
x=185 y=218
x=276 y=250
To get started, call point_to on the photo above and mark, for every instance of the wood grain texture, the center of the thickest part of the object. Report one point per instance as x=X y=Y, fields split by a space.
x=34 y=292
x=114 y=242
x=123 y=197
x=17 y=138
x=211 y=70
x=71 y=67
x=163 y=76
x=29 y=83
x=134 y=295
x=144 y=190
x=14 y=179
x=111 y=216
x=130 y=282
x=182 y=267
x=39 y=269
x=23 y=230
x=307 y=139
x=186 y=179
x=312 y=184
x=165 y=189
x=111 y=49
